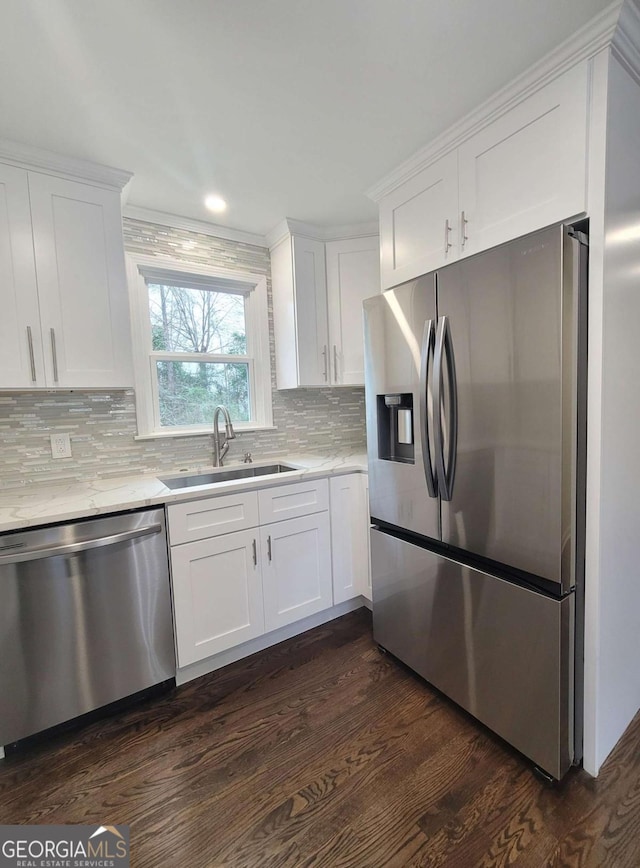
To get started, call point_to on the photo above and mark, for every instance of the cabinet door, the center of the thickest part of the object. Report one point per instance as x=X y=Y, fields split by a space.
x=368 y=591
x=312 y=332
x=217 y=595
x=353 y=274
x=84 y=305
x=527 y=169
x=296 y=569
x=349 y=537
x=20 y=341
x=413 y=236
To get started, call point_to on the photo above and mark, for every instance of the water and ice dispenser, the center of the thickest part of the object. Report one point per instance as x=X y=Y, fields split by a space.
x=395 y=427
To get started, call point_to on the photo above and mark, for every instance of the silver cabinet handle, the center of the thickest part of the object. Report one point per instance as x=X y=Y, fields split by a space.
x=255 y=554
x=31 y=357
x=36 y=554
x=463 y=230
x=447 y=232
x=269 y=547
x=324 y=356
x=428 y=344
x=54 y=353
x=446 y=472
x=335 y=362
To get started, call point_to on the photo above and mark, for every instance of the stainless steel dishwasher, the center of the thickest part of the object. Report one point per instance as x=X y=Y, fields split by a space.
x=85 y=618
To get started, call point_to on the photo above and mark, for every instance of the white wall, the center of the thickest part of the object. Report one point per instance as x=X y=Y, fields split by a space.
x=613 y=581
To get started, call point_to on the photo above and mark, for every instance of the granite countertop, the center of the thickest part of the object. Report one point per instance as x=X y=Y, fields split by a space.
x=29 y=507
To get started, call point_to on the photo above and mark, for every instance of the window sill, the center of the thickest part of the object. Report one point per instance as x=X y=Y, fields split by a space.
x=200 y=432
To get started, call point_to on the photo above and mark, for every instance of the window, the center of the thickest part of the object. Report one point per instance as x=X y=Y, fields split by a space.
x=200 y=339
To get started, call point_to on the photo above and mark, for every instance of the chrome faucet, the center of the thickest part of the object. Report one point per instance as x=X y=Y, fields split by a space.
x=229 y=434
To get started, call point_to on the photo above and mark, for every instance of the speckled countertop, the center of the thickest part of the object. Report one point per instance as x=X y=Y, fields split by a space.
x=29 y=507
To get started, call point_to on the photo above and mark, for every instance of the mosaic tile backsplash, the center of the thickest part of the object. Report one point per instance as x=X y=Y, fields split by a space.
x=102 y=425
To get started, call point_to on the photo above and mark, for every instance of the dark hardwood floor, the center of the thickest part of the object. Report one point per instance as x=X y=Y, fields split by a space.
x=323 y=752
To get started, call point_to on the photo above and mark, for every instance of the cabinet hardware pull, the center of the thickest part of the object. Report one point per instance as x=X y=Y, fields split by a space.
x=324 y=355
x=36 y=554
x=447 y=230
x=54 y=353
x=269 y=547
x=31 y=358
x=335 y=362
x=463 y=226
x=255 y=554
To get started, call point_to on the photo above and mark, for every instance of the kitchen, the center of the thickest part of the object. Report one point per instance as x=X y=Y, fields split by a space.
x=327 y=421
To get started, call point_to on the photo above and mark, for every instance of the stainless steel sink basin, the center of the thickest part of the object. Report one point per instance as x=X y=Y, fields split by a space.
x=247 y=472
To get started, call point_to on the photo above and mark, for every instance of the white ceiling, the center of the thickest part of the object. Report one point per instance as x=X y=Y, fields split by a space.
x=285 y=107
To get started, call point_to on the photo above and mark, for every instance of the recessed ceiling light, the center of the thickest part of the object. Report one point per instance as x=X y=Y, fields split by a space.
x=215 y=203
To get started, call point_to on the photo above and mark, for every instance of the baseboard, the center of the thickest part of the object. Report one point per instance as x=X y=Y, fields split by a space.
x=211 y=664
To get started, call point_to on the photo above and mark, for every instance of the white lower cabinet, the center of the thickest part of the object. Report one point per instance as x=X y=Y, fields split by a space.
x=217 y=594
x=296 y=569
x=350 y=537
x=229 y=588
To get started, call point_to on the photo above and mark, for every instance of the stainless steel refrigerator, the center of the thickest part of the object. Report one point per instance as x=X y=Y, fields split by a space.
x=475 y=394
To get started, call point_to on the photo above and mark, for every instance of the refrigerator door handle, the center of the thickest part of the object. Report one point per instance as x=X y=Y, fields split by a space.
x=445 y=471
x=428 y=346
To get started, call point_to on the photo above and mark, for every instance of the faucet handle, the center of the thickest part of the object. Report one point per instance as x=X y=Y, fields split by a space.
x=247 y=458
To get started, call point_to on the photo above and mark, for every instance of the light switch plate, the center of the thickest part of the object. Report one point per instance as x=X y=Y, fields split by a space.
x=60 y=446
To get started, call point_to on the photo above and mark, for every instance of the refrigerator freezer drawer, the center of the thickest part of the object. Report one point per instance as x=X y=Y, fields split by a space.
x=502 y=652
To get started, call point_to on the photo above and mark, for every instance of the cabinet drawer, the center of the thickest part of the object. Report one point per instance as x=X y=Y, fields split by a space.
x=291 y=501
x=211 y=517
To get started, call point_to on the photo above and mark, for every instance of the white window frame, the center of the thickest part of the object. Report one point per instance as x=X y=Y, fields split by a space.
x=142 y=268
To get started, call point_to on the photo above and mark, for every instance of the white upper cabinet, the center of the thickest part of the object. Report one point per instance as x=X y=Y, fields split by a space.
x=310 y=282
x=63 y=288
x=353 y=274
x=528 y=168
x=524 y=170
x=84 y=306
x=418 y=223
x=318 y=288
x=21 y=364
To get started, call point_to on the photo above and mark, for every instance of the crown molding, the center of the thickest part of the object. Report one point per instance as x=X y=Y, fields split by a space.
x=28 y=157
x=175 y=221
x=351 y=230
x=288 y=227
x=626 y=40
x=278 y=234
x=585 y=43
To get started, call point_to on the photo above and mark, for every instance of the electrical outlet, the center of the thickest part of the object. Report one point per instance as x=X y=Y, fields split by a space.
x=60 y=446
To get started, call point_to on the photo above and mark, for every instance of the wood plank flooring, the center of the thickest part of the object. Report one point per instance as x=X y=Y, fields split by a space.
x=323 y=752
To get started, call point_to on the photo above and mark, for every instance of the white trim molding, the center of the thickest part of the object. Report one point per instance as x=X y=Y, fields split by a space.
x=288 y=226
x=586 y=42
x=626 y=40
x=28 y=157
x=146 y=215
x=255 y=287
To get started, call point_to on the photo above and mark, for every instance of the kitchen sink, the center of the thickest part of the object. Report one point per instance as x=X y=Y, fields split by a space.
x=247 y=472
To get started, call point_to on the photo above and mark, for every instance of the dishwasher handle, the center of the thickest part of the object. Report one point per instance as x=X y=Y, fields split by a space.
x=34 y=554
